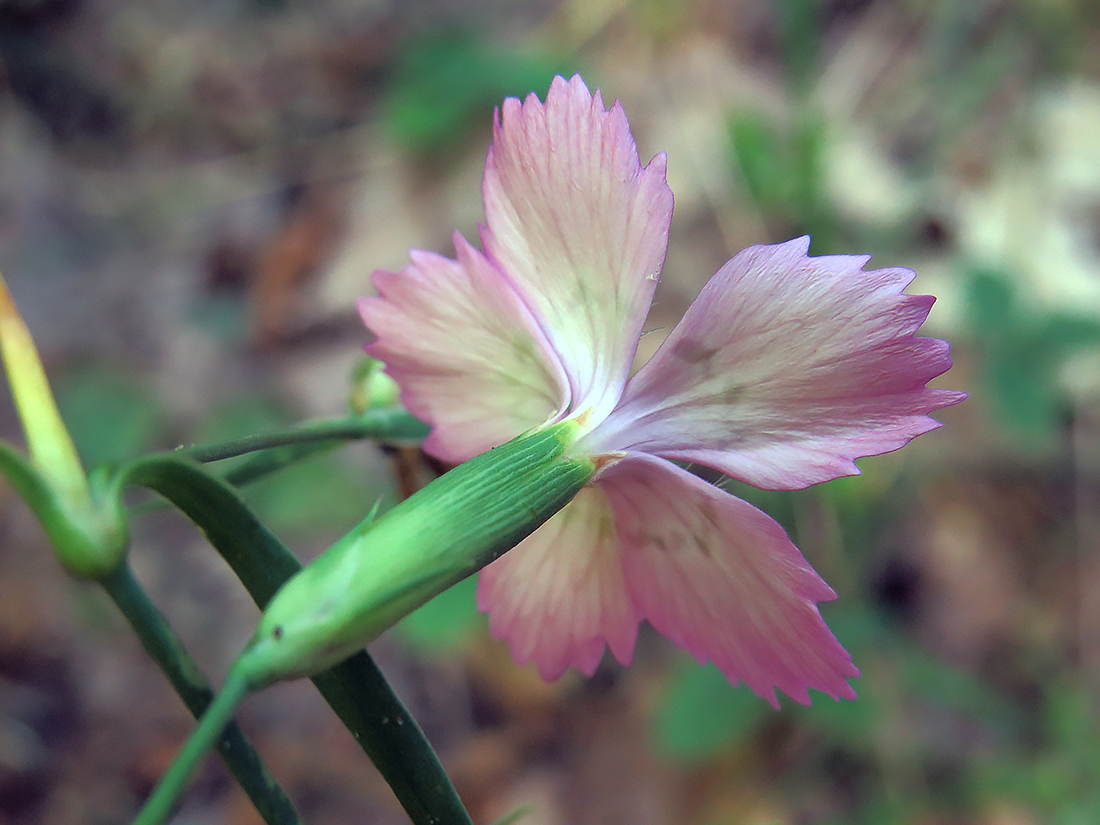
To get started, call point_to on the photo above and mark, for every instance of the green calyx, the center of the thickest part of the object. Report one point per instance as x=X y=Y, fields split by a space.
x=385 y=568
x=90 y=535
x=87 y=529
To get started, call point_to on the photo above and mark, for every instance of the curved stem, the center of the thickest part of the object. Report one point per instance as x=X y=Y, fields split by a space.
x=218 y=715
x=387 y=423
x=187 y=680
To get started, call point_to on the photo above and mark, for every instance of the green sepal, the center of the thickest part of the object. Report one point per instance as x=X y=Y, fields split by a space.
x=355 y=689
x=384 y=569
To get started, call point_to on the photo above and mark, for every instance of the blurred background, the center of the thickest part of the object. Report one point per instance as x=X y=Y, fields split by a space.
x=192 y=196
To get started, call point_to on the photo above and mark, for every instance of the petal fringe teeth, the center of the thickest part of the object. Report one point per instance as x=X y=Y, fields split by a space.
x=783 y=371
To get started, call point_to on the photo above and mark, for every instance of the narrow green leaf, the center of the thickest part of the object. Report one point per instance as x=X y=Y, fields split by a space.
x=355 y=689
x=258 y=558
x=267 y=462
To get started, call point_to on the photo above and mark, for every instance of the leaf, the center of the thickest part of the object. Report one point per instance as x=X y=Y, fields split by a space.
x=781 y=166
x=990 y=302
x=161 y=643
x=447 y=82
x=952 y=688
x=760 y=154
x=1023 y=350
x=322 y=491
x=702 y=714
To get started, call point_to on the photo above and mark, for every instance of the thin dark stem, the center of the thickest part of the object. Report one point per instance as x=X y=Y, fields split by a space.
x=264 y=463
x=188 y=681
x=388 y=423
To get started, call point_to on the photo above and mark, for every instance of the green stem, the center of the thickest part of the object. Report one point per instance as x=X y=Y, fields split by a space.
x=355 y=689
x=173 y=659
x=387 y=423
x=261 y=464
x=158 y=807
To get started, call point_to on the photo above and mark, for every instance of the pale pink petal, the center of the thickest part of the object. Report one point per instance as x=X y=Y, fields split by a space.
x=559 y=596
x=580 y=228
x=468 y=357
x=722 y=580
x=785 y=369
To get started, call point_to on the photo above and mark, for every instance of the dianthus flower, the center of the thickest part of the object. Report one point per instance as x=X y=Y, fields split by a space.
x=783 y=371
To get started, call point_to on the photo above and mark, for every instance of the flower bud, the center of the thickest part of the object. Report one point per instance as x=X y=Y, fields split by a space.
x=385 y=568
x=371 y=387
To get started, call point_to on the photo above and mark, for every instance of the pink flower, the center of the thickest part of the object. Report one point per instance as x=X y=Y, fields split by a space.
x=783 y=371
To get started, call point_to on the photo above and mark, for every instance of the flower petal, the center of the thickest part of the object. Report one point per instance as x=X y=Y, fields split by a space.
x=722 y=580
x=559 y=596
x=468 y=357
x=785 y=369
x=580 y=228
